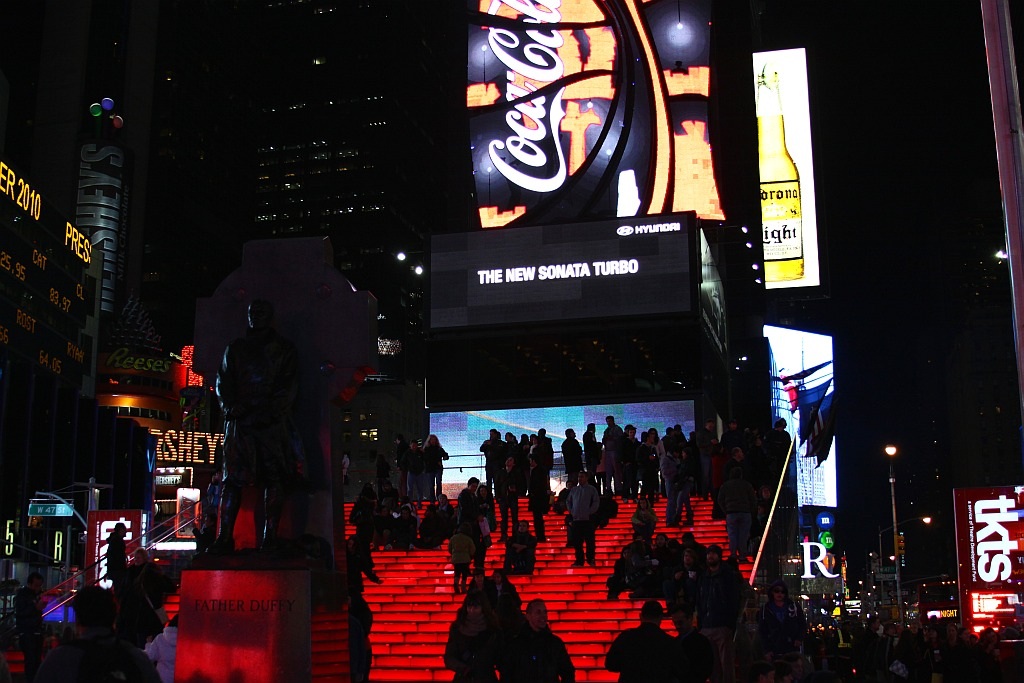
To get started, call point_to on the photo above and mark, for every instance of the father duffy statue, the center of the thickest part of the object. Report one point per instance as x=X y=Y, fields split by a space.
x=257 y=384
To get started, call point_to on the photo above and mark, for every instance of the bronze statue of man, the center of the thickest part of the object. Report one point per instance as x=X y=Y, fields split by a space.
x=257 y=384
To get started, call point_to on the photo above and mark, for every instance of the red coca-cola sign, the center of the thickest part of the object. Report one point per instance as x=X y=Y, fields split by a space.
x=589 y=110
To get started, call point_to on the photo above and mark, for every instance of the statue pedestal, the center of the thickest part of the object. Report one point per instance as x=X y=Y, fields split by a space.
x=252 y=623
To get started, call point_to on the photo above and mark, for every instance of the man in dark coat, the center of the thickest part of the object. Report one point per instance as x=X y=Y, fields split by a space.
x=495 y=452
x=539 y=497
x=572 y=455
x=116 y=556
x=535 y=654
x=780 y=623
x=97 y=649
x=592 y=453
x=697 y=648
x=647 y=654
x=718 y=605
x=521 y=550
x=510 y=484
x=28 y=622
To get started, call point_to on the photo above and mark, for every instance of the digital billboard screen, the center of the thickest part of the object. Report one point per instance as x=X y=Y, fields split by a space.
x=803 y=394
x=990 y=554
x=786 y=165
x=45 y=290
x=589 y=109
x=712 y=298
x=462 y=432
x=615 y=268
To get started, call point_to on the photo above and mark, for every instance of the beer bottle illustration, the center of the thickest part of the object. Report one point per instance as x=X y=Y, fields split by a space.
x=780 y=185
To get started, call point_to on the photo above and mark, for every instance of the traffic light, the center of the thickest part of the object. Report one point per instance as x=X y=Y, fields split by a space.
x=901 y=545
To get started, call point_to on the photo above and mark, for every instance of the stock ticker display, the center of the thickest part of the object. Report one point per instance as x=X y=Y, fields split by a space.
x=45 y=291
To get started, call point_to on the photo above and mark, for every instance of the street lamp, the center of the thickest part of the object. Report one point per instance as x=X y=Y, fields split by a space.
x=881 y=532
x=891 y=452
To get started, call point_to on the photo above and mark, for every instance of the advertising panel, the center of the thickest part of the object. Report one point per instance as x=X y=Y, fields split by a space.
x=557 y=272
x=101 y=523
x=102 y=213
x=788 y=214
x=188 y=512
x=803 y=394
x=587 y=110
x=712 y=298
x=990 y=557
x=462 y=432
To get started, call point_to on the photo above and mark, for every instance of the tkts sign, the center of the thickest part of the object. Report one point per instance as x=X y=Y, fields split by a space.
x=588 y=109
x=989 y=532
x=990 y=553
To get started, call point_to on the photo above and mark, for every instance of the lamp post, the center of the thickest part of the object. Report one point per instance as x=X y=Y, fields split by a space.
x=881 y=532
x=891 y=452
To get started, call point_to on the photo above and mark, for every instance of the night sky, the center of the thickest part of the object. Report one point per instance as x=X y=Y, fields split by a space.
x=905 y=154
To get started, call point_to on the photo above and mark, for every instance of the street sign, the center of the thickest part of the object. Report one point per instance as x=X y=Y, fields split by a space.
x=50 y=510
x=887 y=571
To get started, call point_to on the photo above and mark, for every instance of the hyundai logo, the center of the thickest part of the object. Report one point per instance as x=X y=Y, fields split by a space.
x=625 y=230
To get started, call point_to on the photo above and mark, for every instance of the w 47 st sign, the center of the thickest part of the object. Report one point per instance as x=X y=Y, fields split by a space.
x=50 y=510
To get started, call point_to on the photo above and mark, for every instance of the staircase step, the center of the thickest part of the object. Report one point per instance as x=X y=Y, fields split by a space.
x=415 y=605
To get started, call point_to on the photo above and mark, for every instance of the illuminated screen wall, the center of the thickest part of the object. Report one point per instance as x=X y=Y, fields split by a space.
x=557 y=272
x=45 y=290
x=605 y=115
x=462 y=432
x=789 y=223
x=989 y=554
x=803 y=394
x=712 y=297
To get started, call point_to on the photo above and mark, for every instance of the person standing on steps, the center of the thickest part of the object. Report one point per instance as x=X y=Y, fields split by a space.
x=582 y=504
x=535 y=654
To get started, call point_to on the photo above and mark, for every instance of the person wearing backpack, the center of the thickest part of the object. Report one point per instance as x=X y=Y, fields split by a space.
x=97 y=654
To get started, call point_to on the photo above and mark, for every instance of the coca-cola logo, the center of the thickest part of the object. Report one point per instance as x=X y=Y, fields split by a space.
x=531 y=155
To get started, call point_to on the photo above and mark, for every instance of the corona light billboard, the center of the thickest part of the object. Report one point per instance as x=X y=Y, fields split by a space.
x=587 y=110
x=990 y=554
x=788 y=216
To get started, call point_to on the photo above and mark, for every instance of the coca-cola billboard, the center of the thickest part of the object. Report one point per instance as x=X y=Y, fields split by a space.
x=990 y=554
x=589 y=110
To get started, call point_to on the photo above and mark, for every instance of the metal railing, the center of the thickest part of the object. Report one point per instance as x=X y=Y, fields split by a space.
x=66 y=589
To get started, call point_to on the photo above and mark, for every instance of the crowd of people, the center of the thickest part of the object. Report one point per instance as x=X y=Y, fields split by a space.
x=118 y=634
x=696 y=587
x=736 y=471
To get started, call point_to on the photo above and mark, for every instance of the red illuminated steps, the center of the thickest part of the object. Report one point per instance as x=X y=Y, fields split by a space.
x=415 y=605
